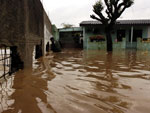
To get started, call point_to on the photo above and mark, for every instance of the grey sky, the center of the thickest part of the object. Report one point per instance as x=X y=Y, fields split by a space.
x=75 y=11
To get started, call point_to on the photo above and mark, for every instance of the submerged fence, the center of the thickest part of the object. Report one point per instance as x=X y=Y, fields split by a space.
x=5 y=61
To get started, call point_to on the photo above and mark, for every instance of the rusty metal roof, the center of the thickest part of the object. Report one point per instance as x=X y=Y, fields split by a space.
x=121 y=22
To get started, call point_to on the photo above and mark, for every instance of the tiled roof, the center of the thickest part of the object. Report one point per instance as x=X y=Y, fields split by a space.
x=122 y=22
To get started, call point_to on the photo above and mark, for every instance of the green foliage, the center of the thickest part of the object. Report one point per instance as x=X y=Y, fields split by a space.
x=67 y=25
x=98 y=7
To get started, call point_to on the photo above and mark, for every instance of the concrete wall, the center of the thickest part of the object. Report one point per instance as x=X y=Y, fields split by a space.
x=12 y=16
x=47 y=32
x=24 y=24
x=34 y=17
x=34 y=30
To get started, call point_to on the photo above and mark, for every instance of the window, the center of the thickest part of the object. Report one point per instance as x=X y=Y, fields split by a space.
x=120 y=35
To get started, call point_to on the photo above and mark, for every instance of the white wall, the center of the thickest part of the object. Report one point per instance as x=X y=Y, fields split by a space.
x=47 y=36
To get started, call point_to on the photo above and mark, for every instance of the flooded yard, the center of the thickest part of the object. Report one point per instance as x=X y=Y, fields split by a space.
x=76 y=81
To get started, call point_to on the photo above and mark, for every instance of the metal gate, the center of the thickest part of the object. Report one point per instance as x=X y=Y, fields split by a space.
x=5 y=61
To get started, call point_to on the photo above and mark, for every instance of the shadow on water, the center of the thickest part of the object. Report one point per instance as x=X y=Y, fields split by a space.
x=76 y=81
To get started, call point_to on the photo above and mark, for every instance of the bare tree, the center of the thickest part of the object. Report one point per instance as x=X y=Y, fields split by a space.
x=113 y=10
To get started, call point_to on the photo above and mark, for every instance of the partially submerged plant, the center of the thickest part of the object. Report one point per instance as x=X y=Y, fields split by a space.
x=97 y=38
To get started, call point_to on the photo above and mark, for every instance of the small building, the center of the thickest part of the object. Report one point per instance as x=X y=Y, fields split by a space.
x=71 y=37
x=126 y=34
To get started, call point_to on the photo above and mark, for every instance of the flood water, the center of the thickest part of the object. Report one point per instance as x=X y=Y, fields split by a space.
x=76 y=81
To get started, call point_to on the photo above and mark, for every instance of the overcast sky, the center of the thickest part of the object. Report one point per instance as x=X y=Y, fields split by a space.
x=75 y=11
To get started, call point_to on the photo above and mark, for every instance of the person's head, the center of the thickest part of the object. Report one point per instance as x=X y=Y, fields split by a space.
x=52 y=39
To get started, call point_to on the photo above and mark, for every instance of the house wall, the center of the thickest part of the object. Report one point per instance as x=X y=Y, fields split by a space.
x=67 y=37
x=127 y=29
x=148 y=31
x=143 y=45
x=89 y=31
x=135 y=27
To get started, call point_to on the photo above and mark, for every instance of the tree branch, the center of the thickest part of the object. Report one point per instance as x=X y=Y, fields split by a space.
x=108 y=14
x=119 y=14
x=94 y=17
x=109 y=9
x=101 y=16
x=114 y=9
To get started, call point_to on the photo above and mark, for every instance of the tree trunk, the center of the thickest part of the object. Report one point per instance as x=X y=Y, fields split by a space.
x=109 y=40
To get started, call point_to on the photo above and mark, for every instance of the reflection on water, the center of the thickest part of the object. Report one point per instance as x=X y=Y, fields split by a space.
x=6 y=91
x=76 y=81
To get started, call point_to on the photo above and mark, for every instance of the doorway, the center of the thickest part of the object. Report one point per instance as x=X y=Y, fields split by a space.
x=132 y=42
x=120 y=35
x=136 y=34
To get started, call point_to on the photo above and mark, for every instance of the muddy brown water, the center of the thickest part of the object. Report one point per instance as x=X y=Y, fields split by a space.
x=76 y=81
